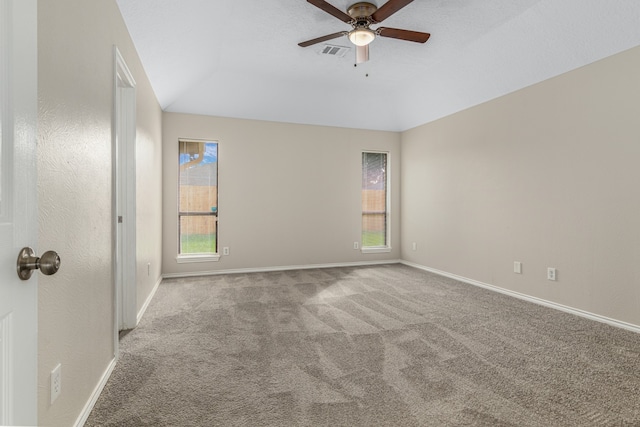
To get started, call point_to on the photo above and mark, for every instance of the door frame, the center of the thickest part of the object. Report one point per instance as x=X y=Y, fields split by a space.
x=124 y=196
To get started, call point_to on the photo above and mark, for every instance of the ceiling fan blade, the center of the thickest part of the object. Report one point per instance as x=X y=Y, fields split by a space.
x=388 y=9
x=395 y=33
x=331 y=10
x=321 y=39
x=362 y=54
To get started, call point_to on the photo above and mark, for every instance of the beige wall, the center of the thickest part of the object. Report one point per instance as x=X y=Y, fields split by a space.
x=288 y=194
x=75 y=79
x=547 y=176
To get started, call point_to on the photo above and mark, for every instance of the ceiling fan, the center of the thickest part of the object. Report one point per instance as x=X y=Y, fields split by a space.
x=361 y=16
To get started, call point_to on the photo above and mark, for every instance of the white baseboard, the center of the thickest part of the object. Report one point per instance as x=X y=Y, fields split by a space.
x=86 y=411
x=535 y=300
x=82 y=418
x=148 y=300
x=278 y=268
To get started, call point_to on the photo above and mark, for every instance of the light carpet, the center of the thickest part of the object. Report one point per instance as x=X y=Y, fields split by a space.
x=368 y=346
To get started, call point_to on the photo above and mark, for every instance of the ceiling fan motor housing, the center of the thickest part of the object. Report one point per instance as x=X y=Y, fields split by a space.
x=361 y=11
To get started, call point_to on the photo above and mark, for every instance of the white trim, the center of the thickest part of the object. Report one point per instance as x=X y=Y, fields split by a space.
x=144 y=307
x=122 y=69
x=535 y=300
x=279 y=268
x=374 y=250
x=124 y=196
x=88 y=407
x=86 y=411
x=185 y=259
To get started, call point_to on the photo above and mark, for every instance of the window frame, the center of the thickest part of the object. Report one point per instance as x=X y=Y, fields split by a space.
x=387 y=247
x=205 y=256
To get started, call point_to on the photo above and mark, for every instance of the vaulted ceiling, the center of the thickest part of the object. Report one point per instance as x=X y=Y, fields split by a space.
x=240 y=58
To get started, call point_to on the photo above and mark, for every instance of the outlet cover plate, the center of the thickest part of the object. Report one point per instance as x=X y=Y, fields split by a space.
x=517 y=267
x=56 y=382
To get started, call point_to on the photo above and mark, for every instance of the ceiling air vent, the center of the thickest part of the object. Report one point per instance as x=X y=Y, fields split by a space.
x=333 y=50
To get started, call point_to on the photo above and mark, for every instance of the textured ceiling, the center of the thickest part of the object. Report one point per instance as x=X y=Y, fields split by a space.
x=240 y=58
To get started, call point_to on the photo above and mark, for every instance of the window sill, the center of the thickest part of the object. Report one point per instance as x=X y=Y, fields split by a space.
x=184 y=259
x=376 y=250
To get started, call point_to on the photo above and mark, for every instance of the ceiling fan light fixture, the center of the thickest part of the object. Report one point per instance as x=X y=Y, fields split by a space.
x=361 y=36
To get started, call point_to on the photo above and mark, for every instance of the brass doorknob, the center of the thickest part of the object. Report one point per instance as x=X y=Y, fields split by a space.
x=48 y=263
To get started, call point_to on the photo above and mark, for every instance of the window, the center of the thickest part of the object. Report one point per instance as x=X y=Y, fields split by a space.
x=198 y=199
x=375 y=202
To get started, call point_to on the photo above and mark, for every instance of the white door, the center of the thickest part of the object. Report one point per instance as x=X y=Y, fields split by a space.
x=18 y=210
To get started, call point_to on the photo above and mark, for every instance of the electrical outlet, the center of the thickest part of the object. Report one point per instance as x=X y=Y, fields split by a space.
x=225 y=250
x=517 y=267
x=414 y=246
x=356 y=245
x=56 y=382
x=551 y=273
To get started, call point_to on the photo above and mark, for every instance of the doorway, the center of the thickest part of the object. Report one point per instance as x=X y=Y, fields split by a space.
x=124 y=184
